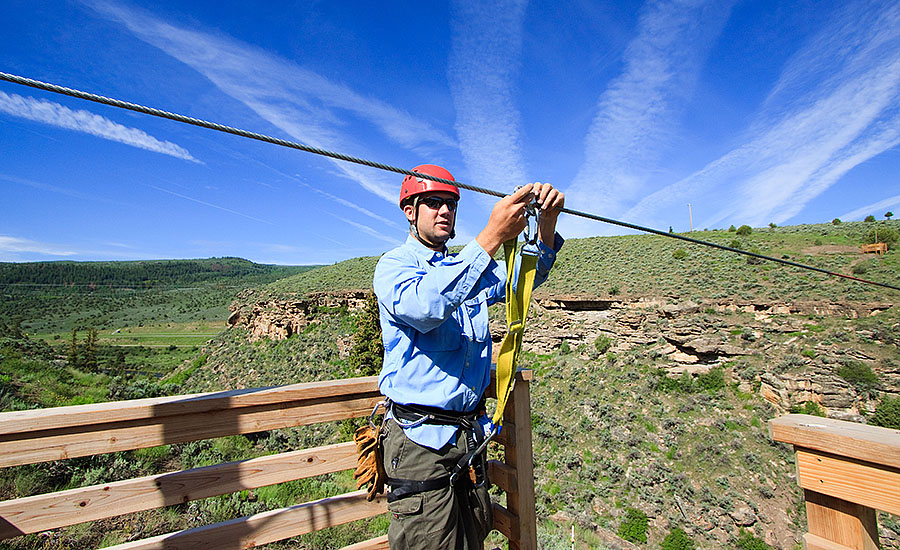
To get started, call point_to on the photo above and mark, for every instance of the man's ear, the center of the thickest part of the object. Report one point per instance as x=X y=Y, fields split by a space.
x=410 y=212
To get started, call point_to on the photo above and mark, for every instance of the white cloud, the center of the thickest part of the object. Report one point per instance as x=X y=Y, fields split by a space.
x=636 y=116
x=216 y=206
x=836 y=105
x=54 y=114
x=368 y=230
x=302 y=103
x=484 y=62
x=10 y=247
x=874 y=209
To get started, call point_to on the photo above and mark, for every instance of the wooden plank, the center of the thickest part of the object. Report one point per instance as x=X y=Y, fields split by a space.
x=135 y=434
x=506 y=523
x=859 y=441
x=852 y=480
x=267 y=527
x=502 y=475
x=841 y=522
x=52 y=510
x=177 y=405
x=378 y=543
x=520 y=458
x=812 y=542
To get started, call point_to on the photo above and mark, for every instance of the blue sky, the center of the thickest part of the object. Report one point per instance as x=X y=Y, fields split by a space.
x=750 y=111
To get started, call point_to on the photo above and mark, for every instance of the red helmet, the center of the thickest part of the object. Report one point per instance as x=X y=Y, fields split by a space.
x=412 y=185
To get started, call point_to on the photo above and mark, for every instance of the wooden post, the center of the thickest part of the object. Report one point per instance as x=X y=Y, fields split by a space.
x=519 y=456
x=847 y=472
x=839 y=524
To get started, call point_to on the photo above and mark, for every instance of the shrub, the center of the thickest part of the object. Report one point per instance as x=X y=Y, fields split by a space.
x=634 y=526
x=753 y=260
x=677 y=539
x=772 y=225
x=860 y=376
x=836 y=221
x=680 y=254
x=808 y=407
x=887 y=413
x=602 y=343
x=713 y=380
x=870 y=218
x=736 y=244
x=860 y=268
x=747 y=541
x=732 y=228
x=744 y=230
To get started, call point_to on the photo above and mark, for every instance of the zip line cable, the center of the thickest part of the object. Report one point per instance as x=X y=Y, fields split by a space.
x=356 y=160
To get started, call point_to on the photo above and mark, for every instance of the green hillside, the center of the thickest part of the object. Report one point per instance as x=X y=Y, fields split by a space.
x=55 y=297
x=651 y=265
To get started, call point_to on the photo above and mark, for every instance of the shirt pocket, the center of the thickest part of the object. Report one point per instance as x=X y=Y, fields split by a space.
x=477 y=311
x=444 y=337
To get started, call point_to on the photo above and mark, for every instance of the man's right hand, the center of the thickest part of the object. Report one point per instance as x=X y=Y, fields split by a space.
x=507 y=220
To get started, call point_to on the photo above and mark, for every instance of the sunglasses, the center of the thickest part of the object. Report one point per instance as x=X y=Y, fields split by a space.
x=435 y=203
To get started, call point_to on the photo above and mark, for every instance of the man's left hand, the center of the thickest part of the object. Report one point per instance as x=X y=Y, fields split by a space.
x=551 y=202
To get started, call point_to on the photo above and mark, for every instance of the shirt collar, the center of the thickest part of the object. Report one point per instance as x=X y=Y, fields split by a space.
x=423 y=251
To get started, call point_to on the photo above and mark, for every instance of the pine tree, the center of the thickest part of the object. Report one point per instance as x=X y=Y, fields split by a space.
x=367 y=352
x=89 y=357
x=72 y=358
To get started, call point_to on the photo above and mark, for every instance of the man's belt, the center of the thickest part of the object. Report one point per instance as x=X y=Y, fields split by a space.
x=423 y=414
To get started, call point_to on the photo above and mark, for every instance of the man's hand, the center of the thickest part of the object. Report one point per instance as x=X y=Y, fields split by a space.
x=551 y=202
x=507 y=220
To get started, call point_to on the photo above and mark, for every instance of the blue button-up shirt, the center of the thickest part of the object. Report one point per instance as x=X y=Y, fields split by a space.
x=434 y=324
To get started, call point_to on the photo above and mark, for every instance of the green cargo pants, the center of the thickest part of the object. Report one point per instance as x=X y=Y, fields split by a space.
x=453 y=518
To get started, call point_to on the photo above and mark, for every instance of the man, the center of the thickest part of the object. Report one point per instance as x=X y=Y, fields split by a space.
x=437 y=357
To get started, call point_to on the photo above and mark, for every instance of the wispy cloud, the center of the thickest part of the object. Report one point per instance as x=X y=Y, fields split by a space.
x=637 y=114
x=209 y=204
x=484 y=62
x=368 y=230
x=835 y=106
x=54 y=114
x=874 y=209
x=302 y=103
x=10 y=247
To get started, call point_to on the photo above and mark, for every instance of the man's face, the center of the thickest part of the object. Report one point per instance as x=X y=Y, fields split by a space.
x=435 y=224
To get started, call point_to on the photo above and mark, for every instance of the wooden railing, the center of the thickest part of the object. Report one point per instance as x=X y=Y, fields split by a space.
x=28 y=437
x=877 y=248
x=847 y=472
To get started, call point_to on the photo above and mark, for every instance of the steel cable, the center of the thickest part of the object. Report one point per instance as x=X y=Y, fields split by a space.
x=357 y=160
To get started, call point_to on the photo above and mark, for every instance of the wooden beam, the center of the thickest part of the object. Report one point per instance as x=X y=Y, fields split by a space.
x=267 y=527
x=502 y=475
x=52 y=510
x=838 y=437
x=856 y=481
x=506 y=523
x=58 y=444
x=378 y=543
x=841 y=522
x=177 y=405
x=812 y=542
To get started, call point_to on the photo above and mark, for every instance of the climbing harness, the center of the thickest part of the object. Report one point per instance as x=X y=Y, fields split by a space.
x=356 y=160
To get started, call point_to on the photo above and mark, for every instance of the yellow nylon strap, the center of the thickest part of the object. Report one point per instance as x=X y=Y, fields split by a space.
x=516 y=312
